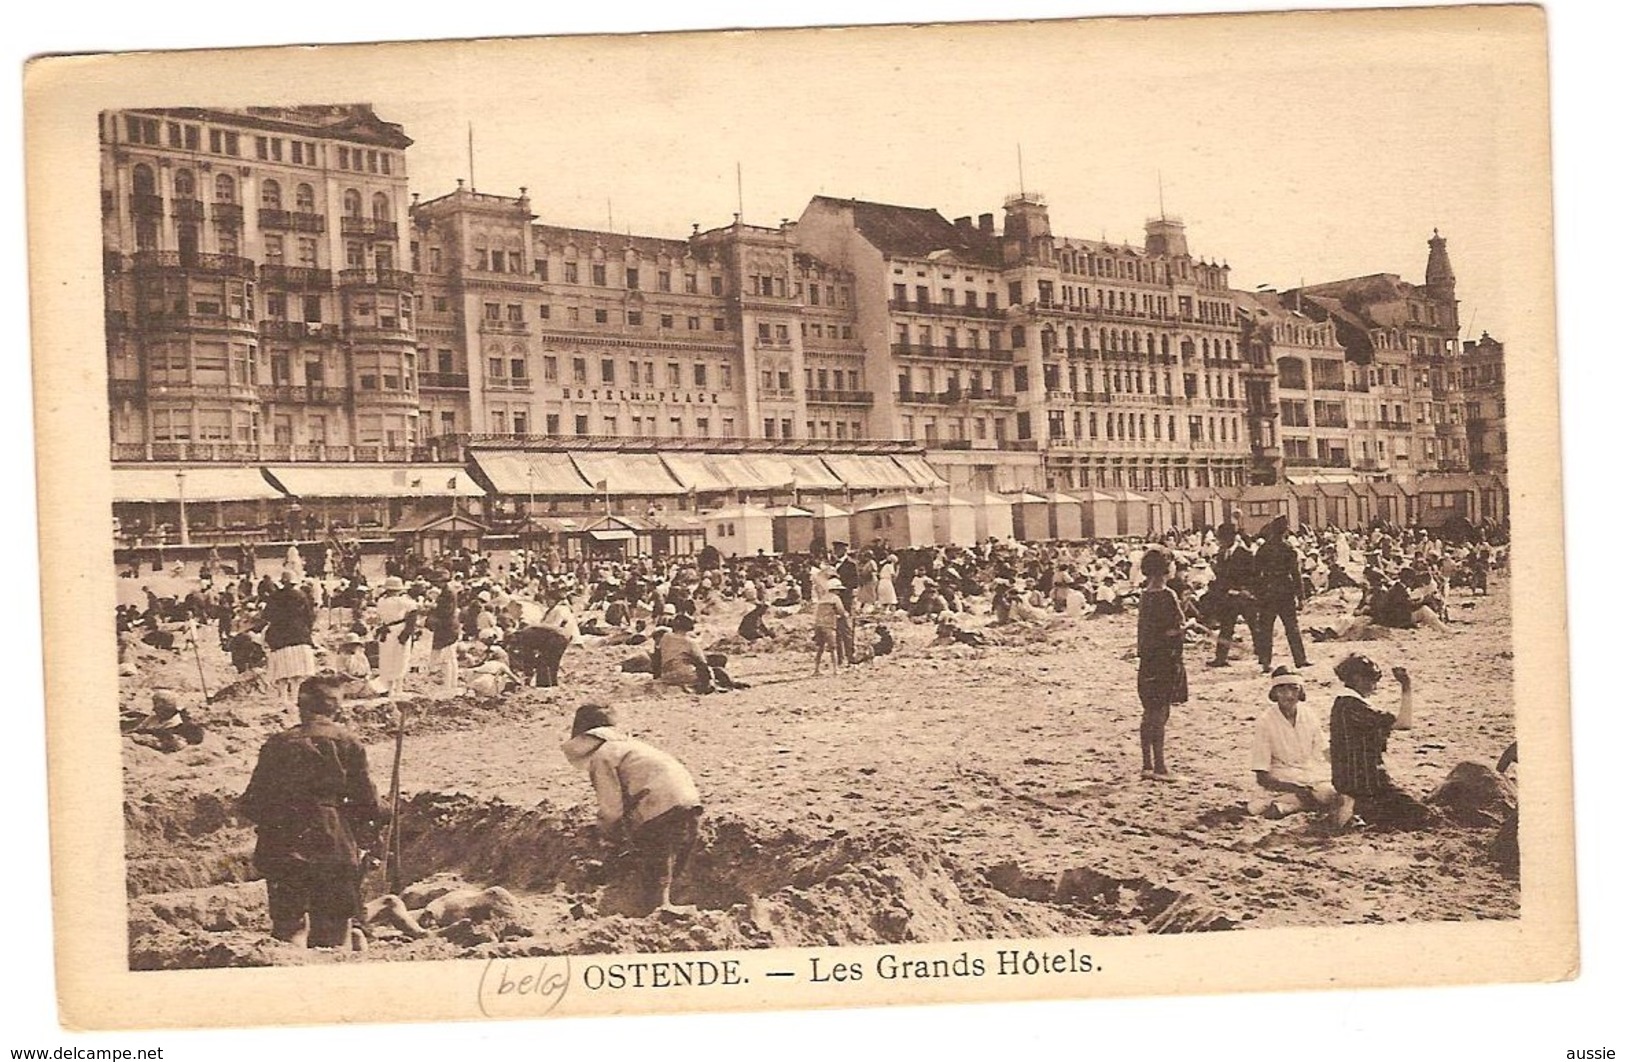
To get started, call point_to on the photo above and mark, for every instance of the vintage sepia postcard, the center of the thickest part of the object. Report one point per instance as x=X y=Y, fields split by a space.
x=801 y=518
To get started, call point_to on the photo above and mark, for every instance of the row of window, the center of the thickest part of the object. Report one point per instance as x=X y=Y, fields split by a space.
x=186 y=136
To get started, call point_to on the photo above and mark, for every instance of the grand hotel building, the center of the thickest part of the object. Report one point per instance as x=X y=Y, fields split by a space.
x=275 y=293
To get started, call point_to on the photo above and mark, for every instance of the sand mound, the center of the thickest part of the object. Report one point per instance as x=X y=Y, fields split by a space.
x=1476 y=794
x=752 y=885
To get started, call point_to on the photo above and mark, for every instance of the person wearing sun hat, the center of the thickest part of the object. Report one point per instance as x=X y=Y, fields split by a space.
x=397 y=626
x=1289 y=750
x=1359 y=739
x=646 y=797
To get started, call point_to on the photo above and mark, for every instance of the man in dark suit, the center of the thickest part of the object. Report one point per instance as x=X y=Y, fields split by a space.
x=1232 y=592
x=846 y=572
x=314 y=806
x=1278 y=589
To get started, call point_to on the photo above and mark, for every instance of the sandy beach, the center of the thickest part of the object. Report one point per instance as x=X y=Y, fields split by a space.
x=941 y=793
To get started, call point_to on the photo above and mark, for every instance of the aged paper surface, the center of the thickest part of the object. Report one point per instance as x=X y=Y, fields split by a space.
x=97 y=987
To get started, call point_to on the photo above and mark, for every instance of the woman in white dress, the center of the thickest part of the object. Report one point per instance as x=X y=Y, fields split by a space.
x=397 y=626
x=886 y=583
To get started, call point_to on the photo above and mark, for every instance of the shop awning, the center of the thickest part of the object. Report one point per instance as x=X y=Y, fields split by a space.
x=920 y=470
x=812 y=474
x=547 y=474
x=376 y=481
x=742 y=473
x=195 y=484
x=626 y=474
x=611 y=534
x=695 y=473
x=771 y=471
x=869 y=472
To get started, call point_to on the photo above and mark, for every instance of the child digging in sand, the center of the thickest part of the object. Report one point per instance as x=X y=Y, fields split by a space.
x=645 y=797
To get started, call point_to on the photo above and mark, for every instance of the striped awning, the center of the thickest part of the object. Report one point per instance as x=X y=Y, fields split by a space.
x=146 y=484
x=520 y=473
x=376 y=481
x=617 y=474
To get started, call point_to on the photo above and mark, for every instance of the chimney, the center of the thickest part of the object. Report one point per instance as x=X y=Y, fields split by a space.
x=984 y=223
x=965 y=224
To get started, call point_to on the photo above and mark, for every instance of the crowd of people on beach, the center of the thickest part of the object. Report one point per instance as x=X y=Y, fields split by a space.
x=320 y=632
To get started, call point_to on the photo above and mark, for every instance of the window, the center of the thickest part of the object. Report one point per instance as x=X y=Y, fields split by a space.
x=718 y=325
x=691 y=283
x=600 y=316
x=716 y=288
x=578 y=370
x=225 y=188
x=699 y=374
x=1015 y=292
x=270 y=193
x=572 y=273
x=693 y=324
x=606 y=370
x=600 y=275
x=273 y=250
x=517 y=369
x=663 y=280
x=516 y=313
x=304 y=198
x=634 y=317
x=581 y=423
x=665 y=320
x=550 y=368
x=493 y=311
x=498 y=368
x=544 y=311
x=352 y=203
x=727 y=377
x=674 y=374
x=632 y=279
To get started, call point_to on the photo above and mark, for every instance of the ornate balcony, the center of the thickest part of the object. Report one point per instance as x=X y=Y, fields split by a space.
x=504 y=326
x=296 y=278
x=841 y=398
x=146 y=205
x=304 y=394
x=275 y=329
x=1003 y=357
x=227 y=214
x=188 y=209
x=126 y=390
x=370 y=228
x=292 y=221
x=442 y=381
x=394 y=279
x=193 y=262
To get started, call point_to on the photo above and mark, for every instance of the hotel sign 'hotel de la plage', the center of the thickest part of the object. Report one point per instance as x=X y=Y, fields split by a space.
x=296 y=343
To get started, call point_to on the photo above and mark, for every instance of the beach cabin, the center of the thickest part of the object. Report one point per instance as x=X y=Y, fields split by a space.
x=900 y=522
x=1067 y=518
x=1390 y=503
x=1097 y=514
x=1343 y=504
x=830 y=524
x=953 y=520
x=1133 y=513
x=1256 y=506
x=739 y=530
x=793 y=529
x=994 y=515
x=431 y=534
x=1029 y=517
x=1304 y=507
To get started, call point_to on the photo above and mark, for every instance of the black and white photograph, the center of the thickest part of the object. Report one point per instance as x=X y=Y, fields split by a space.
x=741 y=510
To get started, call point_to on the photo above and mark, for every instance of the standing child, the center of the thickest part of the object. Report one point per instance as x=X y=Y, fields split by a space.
x=828 y=613
x=1162 y=662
